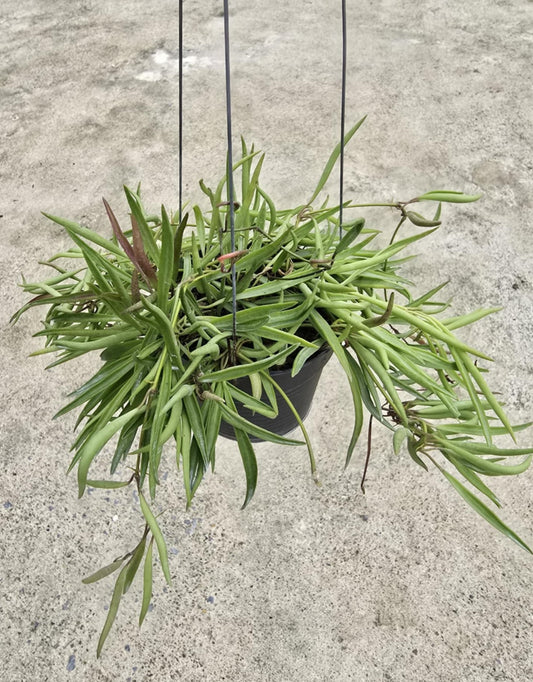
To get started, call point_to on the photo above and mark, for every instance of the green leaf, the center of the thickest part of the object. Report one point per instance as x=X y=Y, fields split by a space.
x=268 y=378
x=412 y=450
x=109 y=375
x=183 y=451
x=367 y=388
x=464 y=320
x=474 y=479
x=238 y=422
x=484 y=511
x=250 y=402
x=158 y=536
x=417 y=302
x=161 y=321
x=275 y=287
x=247 y=319
x=467 y=381
x=104 y=572
x=134 y=564
x=238 y=371
x=249 y=463
x=342 y=354
x=424 y=323
x=420 y=221
x=285 y=337
x=381 y=319
x=449 y=197
x=301 y=358
x=158 y=421
x=400 y=434
x=178 y=241
x=85 y=233
x=194 y=416
x=97 y=441
x=212 y=419
x=353 y=230
x=333 y=159
x=107 y=484
x=113 y=609
x=166 y=262
x=137 y=212
x=147 y=582
x=484 y=466
x=474 y=371
x=124 y=443
x=256 y=384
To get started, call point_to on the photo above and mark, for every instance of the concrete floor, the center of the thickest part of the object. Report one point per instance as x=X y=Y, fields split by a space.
x=307 y=584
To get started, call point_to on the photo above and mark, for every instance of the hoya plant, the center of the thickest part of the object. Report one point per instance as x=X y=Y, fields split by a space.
x=157 y=301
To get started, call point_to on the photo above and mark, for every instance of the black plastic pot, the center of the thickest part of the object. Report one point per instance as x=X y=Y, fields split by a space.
x=299 y=389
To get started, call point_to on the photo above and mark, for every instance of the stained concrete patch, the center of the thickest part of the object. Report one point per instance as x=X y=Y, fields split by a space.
x=308 y=583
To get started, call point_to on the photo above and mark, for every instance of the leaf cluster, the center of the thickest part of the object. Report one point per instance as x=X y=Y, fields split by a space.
x=155 y=301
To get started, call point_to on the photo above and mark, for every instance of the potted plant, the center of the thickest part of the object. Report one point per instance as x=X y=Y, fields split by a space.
x=180 y=365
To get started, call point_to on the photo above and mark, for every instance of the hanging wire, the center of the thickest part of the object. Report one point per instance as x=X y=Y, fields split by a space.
x=231 y=199
x=343 y=116
x=180 y=109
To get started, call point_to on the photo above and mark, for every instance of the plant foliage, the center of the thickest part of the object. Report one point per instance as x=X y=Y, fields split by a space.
x=155 y=300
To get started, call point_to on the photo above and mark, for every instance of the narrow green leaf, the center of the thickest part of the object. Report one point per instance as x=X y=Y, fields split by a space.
x=113 y=609
x=400 y=434
x=250 y=402
x=124 y=443
x=381 y=319
x=478 y=378
x=484 y=511
x=412 y=450
x=134 y=563
x=85 y=233
x=268 y=378
x=301 y=358
x=420 y=221
x=333 y=159
x=97 y=441
x=247 y=319
x=178 y=242
x=464 y=320
x=147 y=236
x=183 y=451
x=194 y=416
x=474 y=479
x=285 y=337
x=104 y=572
x=325 y=331
x=165 y=328
x=450 y=197
x=256 y=384
x=158 y=536
x=166 y=262
x=353 y=230
x=484 y=466
x=111 y=485
x=249 y=463
x=238 y=371
x=238 y=422
x=461 y=360
x=147 y=582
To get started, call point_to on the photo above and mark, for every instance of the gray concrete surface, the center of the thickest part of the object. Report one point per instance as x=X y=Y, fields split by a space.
x=307 y=584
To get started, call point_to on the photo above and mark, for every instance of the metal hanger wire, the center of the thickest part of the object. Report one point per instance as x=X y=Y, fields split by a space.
x=230 y=185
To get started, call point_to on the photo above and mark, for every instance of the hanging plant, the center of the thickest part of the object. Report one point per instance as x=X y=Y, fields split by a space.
x=177 y=366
